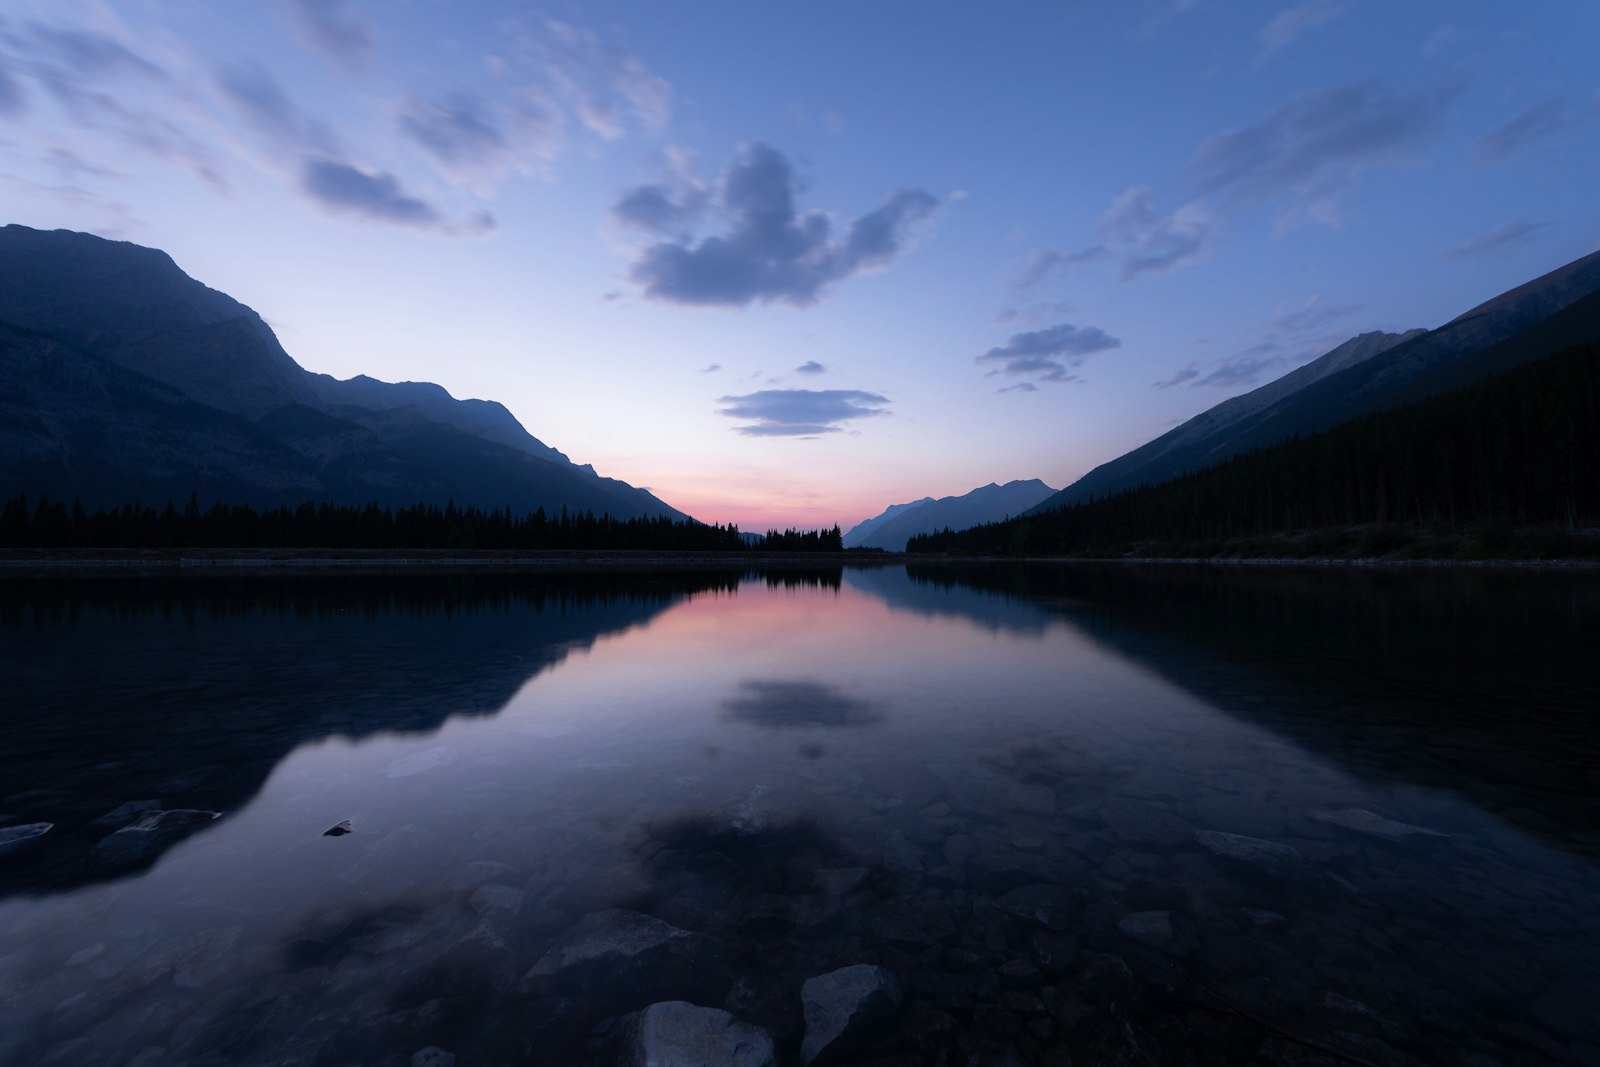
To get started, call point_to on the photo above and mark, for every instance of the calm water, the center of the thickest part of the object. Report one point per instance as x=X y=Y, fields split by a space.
x=1097 y=815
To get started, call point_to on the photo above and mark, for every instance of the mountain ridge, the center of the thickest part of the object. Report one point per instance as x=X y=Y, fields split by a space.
x=1342 y=389
x=987 y=503
x=94 y=304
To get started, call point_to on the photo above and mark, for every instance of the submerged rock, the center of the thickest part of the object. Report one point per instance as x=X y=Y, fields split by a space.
x=844 y=1008
x=153 y=831
x=1050 y=906
x=1374 y=825
x=1268 y=857
x=123 y=814
x=629 y=953
x=17 y=838
x=1165 y=931
x=676 y=1033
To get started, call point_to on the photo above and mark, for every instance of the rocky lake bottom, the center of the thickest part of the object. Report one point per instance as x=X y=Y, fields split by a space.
x=948 y=815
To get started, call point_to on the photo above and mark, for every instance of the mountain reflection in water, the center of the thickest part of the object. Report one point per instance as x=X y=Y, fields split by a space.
x=1121 y=813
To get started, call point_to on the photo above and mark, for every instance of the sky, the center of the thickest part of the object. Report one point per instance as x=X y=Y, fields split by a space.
x=785 y=265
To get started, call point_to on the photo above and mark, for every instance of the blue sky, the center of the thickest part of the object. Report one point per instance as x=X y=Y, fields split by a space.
x=787 y=265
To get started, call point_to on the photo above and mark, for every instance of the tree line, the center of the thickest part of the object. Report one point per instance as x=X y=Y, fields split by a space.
x=1519 y=450
x=50 y=524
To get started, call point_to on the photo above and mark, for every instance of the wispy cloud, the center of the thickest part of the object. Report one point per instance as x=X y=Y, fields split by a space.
x=251 y=93
x=1289 y=339
x=1541 y=121
x=1044 y=263
x=810 y=366
x=1147 y=241
x=606 y=85
x=330 y=27
x=1310 y=149
x=1293 y=23
x=801 y=412
x=770 y=253
x=1047 y=355
x=1498 y=241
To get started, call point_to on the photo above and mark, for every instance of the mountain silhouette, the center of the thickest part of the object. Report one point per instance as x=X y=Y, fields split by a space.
x=122 y=378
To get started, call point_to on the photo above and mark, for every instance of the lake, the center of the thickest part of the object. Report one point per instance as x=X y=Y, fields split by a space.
x=983 y=814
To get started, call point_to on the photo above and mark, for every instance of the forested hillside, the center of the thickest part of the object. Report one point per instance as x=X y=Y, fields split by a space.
x=1468 y=468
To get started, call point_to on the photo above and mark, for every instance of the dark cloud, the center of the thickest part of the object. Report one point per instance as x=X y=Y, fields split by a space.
x=778 y=704
x=810 y=366
x=1044 y=262
x=460 y=135
x=1535 y=124
x=1291 y=24
x=255 y=96
x=90 y=55
x=1497 y=241
x=711 y=368
x=660 y=210
x=343 y=188
x=327 y=26
x=771 y=253
x=801 y=412
x=1149 y=242
x=1047 y=354
x=1311 y=146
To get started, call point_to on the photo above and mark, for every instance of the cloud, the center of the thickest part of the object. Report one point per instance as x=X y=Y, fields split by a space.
x=1149 y=242
x=461 y=136
x=1047 y=354
x=1290 y=338
x=344 y=189
x=1020 y=387
x=771 y=253
x=810 y=366
x=1044 y=262
x=660 y=210
x=252 y=93
x=1040 y=311
x=711 y=368
x=1311 y=147
x=1290 y=25
x=13 y=101
x=604 y=82
x=1186 y=374
x=327 y=26
x=801 y=412
x=1535 y=124
x=1498 y=241
x=91 y=55
x=1313 y=314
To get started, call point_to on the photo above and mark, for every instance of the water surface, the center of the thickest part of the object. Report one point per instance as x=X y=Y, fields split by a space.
x=1121 y=814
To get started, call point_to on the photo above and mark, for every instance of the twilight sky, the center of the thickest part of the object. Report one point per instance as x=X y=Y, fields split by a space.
x=786 y=265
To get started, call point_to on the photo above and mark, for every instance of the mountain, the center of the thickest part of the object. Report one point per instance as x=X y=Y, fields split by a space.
x=857 y=535
x=1372 y=372
x=123 y=378
x=989 y=503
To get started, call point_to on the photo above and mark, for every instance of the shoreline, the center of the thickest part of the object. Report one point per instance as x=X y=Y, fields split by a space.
x=169 y=561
